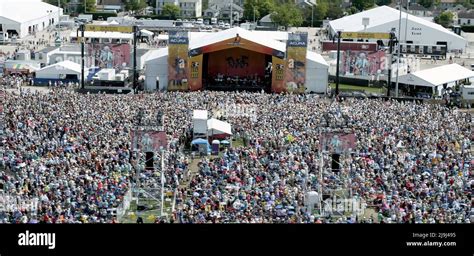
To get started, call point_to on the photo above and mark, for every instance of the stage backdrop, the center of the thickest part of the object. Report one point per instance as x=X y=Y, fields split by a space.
x=195 y=78
x=116 y=56
x=278 y=74
x=236 y=62
x=295 y=74
x=178 y=66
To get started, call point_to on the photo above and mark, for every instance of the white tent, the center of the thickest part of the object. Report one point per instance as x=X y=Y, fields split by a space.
x=147 y=33
x=437 y=76
x=216 y=127
x=200 y=121
x=383 y=19
x=61 y=70
x=316 y=73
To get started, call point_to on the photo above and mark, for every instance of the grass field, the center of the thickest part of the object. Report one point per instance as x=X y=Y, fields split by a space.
x=348 y=88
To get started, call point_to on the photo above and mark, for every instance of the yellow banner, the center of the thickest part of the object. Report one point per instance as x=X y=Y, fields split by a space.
x=368 y=35
x=122 y=29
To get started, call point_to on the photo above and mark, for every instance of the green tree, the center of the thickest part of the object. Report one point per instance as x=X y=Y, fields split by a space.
x=287 y=15
x=383 y=2
x=444 y=19
x=90 y=6
x=362 y=4
x=135 y=5
x=170 y=10
x=261 y=8
x=334 y=11
x=426 y=3
x=321 y=10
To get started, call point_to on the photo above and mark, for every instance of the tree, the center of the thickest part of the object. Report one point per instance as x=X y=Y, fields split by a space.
x=261 y=8
x=90 y=6
x=426 y=3
x=334 y=11
x=362 y=4
x=383 y=2
x=135 y=5
x=170 y=10
x=287 y=15
x=444 y=19
x=321 y=10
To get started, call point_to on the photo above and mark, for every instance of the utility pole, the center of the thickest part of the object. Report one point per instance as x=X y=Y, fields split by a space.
x=82 y=56
x=59 y=23
x=338 y=61
x=231 y=13
x=135 y=86
x=406 y=21
x=398 y=53
x=389 y=82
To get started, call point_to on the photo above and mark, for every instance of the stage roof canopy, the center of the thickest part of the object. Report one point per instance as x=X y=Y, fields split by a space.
x=227 y=34
x=437 y=76
x=216 y=127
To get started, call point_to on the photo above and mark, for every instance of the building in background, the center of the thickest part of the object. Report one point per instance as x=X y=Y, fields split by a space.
x=466 y=18
x=28 y=17
x=188 y=8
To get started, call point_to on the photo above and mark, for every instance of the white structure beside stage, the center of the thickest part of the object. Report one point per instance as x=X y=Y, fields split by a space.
x=384 y=19
x=156 y=64
x=25 y=17
x=61 y=70
x=435 y=78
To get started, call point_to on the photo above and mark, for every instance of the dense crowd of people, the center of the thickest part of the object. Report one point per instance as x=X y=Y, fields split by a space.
x=72 y=153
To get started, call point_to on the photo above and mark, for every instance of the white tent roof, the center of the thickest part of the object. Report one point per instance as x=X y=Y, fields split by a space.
x=316 y=58
x=200 y=114
x=63 y=66
x=243 y=33
x=146 y=32
x=437 y=76
x=25 y=10
x=378 y=16
x=216 y=126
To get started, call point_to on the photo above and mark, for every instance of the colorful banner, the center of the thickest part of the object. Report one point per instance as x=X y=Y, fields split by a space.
x=295 y=74
x=178 y=61
x=362 y=63
x=149 y=141
x=278 y=74
x=108 y=28
x=365 y=35
x=338 y=142
x=195 y=78
x=116 y=56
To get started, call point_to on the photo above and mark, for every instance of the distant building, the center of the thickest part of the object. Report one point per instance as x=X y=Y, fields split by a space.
x=117 y=5
x=267 y=22
x=445 y=4
x=466 y=18
x=419 y=10
x=222 y=10
x=189 y=8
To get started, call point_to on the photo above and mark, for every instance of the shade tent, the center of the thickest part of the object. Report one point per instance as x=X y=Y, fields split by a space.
x=199 y=142
x=218 y=127
x=61 y=70
x=147 y=33
x=437 y=76
x=200 y=122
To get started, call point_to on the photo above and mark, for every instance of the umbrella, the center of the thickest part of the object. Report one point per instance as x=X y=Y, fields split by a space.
x=225 y=142
x=199 y=141
x=215 y=142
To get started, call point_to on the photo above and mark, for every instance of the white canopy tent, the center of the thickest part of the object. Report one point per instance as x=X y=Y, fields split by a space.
x=217 y=127
x=200 y=121
x=61 y=70
x=437 y=77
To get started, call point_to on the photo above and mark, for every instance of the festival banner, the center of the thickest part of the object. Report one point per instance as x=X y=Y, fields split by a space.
x=278 y=74
x=295 y=75
x=338 y=142
x=178 y=67
x=195 y=78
